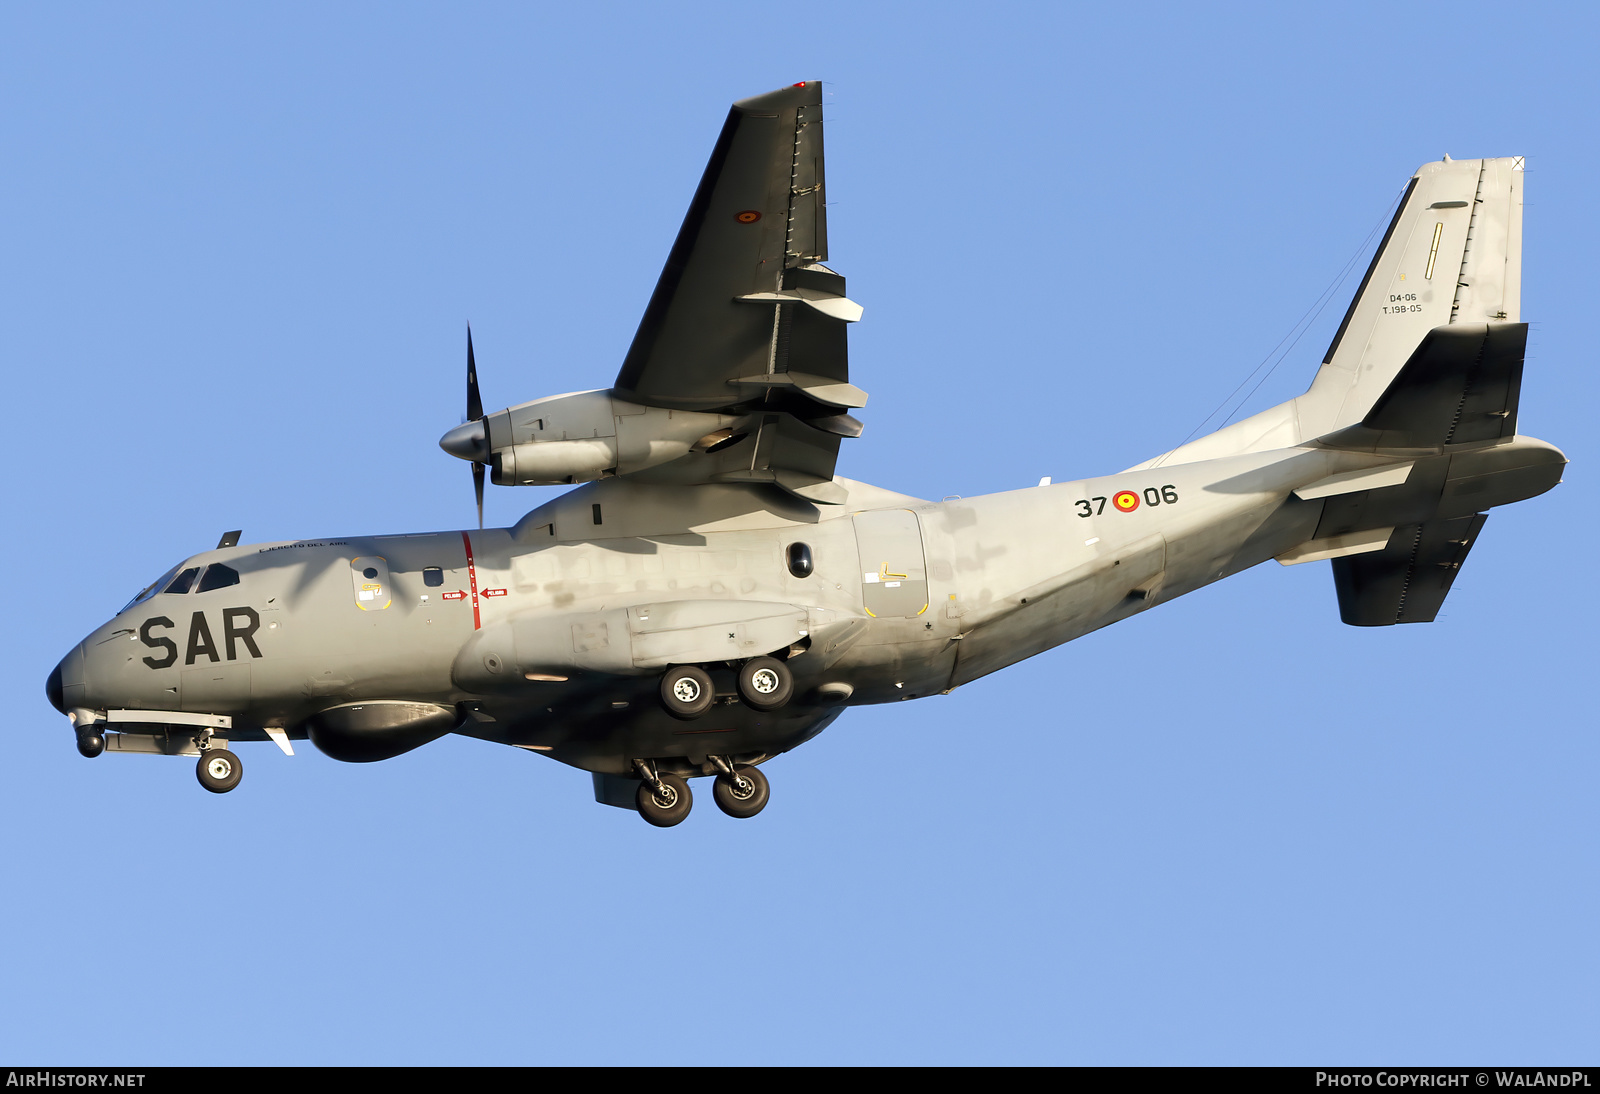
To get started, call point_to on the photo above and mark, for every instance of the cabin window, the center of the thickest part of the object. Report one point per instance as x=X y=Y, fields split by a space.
x=432 y=576
x=218 y=576
x=181 y=583
x=800 y=564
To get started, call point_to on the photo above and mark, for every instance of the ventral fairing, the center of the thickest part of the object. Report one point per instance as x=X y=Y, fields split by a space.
x=711 y=593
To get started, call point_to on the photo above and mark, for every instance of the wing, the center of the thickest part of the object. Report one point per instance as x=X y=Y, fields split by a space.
x=745 y=319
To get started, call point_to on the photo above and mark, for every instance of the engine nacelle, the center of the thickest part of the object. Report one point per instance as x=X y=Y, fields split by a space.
x=580 y=437
x=381 y=729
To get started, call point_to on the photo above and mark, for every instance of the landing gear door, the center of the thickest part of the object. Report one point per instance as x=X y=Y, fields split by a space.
x=894 y=574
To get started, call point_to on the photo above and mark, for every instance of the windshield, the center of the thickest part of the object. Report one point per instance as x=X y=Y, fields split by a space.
x=150 y=590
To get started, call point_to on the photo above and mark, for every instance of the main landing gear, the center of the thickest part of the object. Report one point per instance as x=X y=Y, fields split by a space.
x=219 y=770
x=664 y=800
x=740 y=791
x=667 y=802
x=765 y=684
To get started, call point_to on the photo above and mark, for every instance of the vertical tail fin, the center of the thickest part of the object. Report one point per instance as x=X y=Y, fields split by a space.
x=1452 y=255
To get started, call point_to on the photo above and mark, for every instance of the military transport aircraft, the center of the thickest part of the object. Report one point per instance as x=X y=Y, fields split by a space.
x=713 y=594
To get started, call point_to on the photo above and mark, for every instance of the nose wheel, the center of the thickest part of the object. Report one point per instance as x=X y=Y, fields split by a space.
x=219 y=770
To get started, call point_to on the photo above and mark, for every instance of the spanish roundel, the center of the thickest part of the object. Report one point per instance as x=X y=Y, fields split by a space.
x=1126 y=501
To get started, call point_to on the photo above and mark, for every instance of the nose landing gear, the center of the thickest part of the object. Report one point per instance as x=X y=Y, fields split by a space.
x=219 y=770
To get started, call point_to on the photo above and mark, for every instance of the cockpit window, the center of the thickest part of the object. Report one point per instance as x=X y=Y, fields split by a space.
x=218 y=576
x=181 y=583
x=151 y=589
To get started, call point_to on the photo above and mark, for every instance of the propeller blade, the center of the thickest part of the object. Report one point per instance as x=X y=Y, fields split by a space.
x=477 y=486
x=474 y=404
x=474 y=414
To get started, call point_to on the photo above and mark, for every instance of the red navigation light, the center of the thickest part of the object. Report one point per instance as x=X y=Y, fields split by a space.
x=802 y=83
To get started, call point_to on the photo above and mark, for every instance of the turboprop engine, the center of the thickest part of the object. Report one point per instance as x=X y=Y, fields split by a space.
x=582 y=436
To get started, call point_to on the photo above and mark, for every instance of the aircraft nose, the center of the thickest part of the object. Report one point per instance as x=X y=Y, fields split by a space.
x=64 y=678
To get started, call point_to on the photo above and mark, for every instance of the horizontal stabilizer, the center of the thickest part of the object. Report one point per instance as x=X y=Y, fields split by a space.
x=1460 y=385
x=1407 y=581
x=1348 y=482
x=1350 y=543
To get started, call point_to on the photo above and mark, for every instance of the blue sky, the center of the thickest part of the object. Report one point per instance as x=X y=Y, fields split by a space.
x=240 y=249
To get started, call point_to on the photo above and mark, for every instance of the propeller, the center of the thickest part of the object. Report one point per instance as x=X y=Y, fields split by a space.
x=470 y=440
x=474 y=414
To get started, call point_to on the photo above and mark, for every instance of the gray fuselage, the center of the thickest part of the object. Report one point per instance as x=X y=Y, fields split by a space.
x=553 y=634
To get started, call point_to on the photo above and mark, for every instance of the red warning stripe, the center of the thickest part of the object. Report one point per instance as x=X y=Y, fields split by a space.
x=472 y=582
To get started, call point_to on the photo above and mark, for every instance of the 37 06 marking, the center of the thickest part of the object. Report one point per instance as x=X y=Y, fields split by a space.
x=1126 y=501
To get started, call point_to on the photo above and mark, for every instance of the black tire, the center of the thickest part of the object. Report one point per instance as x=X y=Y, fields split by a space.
x=219 y=770
x=686 y=691
x=743 y=795
x=765 y=683
x=665 y=810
